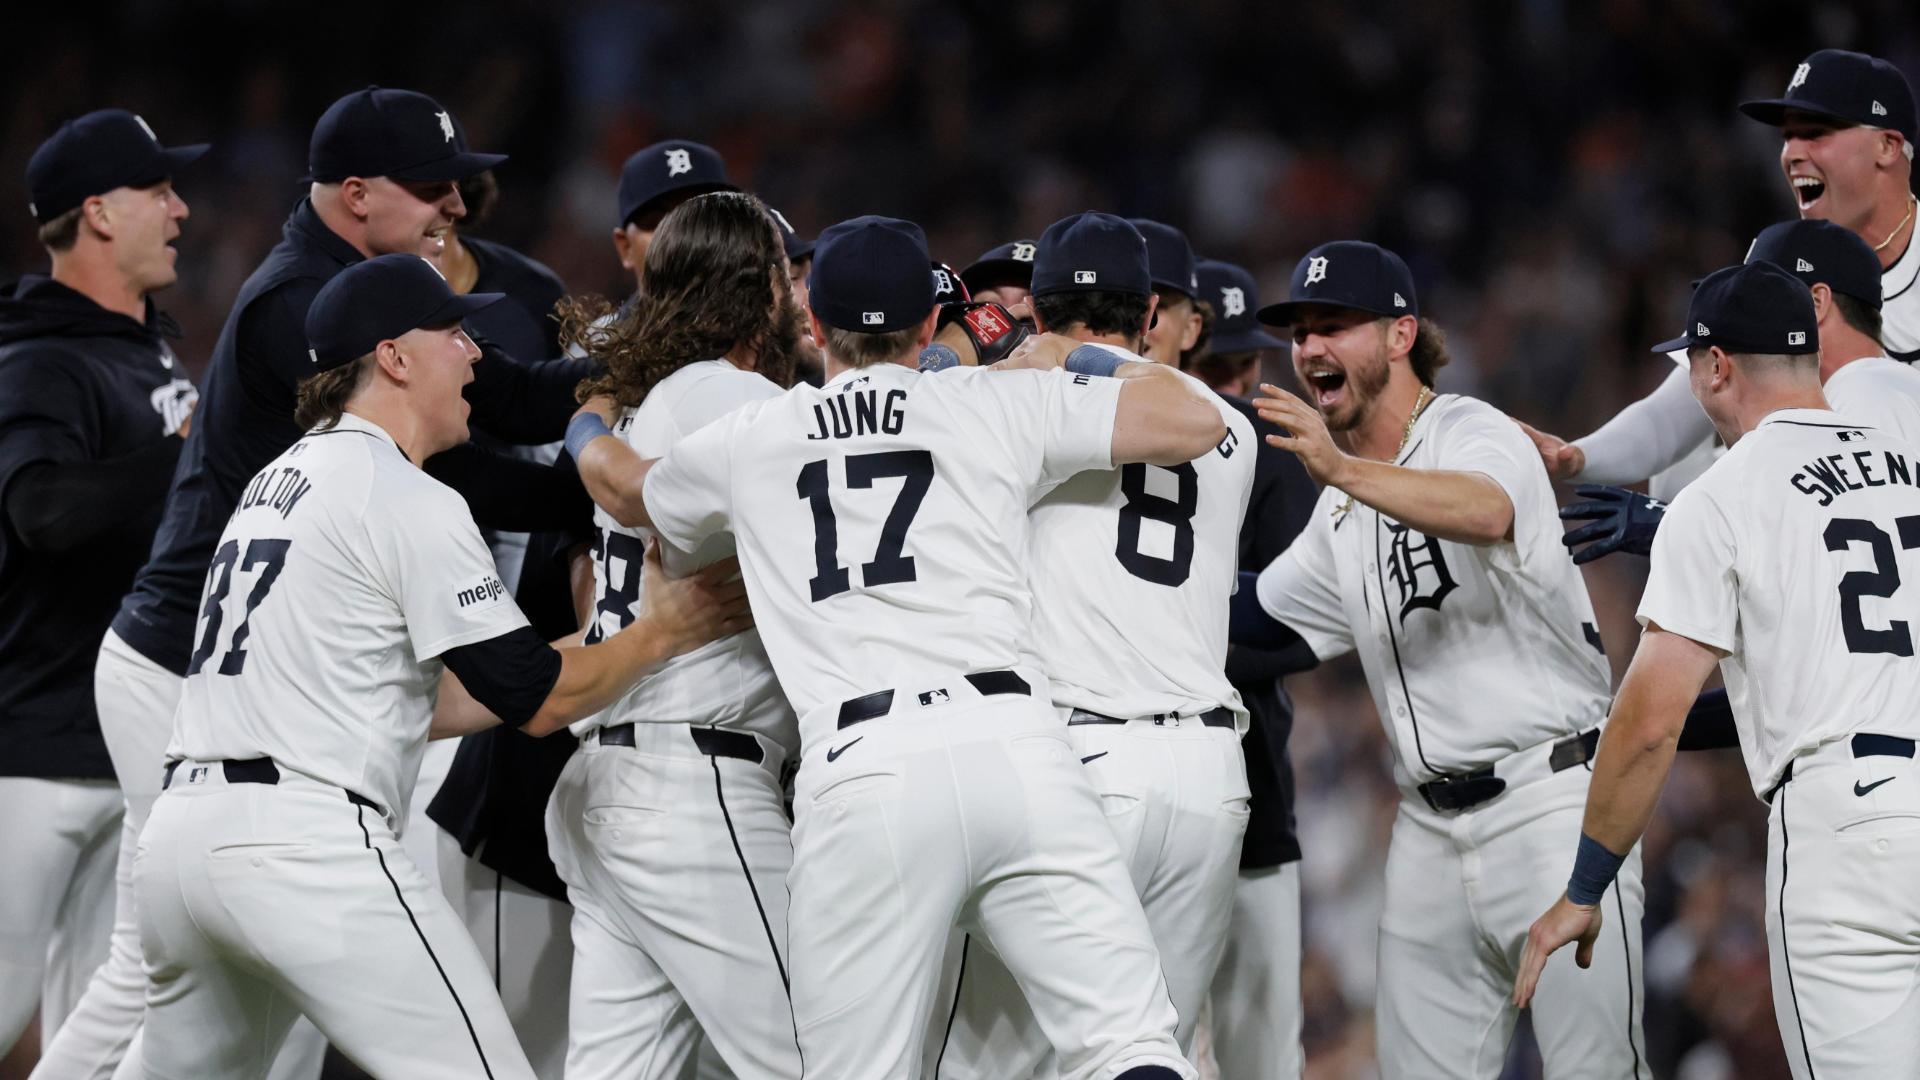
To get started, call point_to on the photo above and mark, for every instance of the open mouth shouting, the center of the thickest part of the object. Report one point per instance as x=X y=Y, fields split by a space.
x=1326 y=387
x=1808 y=190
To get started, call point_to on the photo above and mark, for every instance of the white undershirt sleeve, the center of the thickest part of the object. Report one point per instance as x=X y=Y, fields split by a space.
x=1647 y=436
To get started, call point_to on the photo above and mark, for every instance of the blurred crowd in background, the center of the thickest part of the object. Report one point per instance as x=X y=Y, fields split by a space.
x=1554 y=173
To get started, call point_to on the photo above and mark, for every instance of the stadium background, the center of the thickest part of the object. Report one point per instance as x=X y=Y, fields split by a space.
x=1553 y=171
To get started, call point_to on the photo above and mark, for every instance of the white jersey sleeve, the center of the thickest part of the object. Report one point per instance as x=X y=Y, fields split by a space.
x=1487 y=442
x=443 y=578
x=689 y=492
x=1900 y=306
x=1302 y=586
x=1693 y=587
x=1064 y=421
x=1649 y=436
x=1879 y=391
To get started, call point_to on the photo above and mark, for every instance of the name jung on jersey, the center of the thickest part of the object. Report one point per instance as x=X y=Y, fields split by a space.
x=836 y=419
x=1827 y=478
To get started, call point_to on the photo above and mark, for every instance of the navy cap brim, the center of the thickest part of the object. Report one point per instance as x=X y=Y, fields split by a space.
x=1282 y=313
x=179 y=157
x=994 y=273
x=799 y=250
x=451 y=167
x=1679 y=344
x=1246 y=341
x=1773 y=111
x=1184 y=289
x=690 y=191
x=458 y=308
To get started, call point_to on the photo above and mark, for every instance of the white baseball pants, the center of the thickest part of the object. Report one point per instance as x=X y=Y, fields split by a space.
x=101 y=1036
x=676 y=863
x=1255 y=998
x=525 y=938
x=974 y=812
x=1843 y=914
x=56 y=909
x=1175 y=797
x=1463 y=888
x=259 y=903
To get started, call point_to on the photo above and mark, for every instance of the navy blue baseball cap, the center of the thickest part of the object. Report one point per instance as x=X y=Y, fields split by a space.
x=378 y=300
x=1755 y=307
x=1169 y=257
x=1088 y=252
x=1008 y=264
x=1349 y=274
x=1821 y=253
x=674 y=167
x=871 y=275
x=95 y=153
x=1841 y=85
x=798 y=249
x=401 y=134
x=1233 y=295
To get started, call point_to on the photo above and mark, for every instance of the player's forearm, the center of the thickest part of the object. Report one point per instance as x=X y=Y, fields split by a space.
x=1637 y=750
x=1467 y=508
x=1160 y=419
x=616 y=478
x=593 y=677
x=1647 y=436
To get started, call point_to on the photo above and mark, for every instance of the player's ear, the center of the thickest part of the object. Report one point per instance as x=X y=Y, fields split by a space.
x=816 y=330
x=622 y=245
x=1822 y=302
x=388 y=357
x=1153 y=310
x=927 y=326
x=97 y=216
x=1401 y=335
x=355 y=195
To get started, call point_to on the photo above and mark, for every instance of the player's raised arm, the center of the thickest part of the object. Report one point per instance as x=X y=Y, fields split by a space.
x=614 y=474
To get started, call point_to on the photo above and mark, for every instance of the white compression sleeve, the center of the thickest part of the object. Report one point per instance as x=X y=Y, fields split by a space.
x=1647 y=436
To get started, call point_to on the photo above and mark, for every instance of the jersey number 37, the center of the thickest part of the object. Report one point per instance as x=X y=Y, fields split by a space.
x=264 y=558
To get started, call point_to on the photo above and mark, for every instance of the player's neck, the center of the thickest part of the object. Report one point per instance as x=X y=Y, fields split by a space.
x=391 y=414
x=1890 y=230
x=1382 y=434
x=462 y=270
x=92 y=275
x=1762 y=403
x=832 y=368
x=743 y=356
x=1079 y=332
x=1841 y=346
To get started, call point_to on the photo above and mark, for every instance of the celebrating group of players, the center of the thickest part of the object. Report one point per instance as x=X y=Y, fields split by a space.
x=916 y=634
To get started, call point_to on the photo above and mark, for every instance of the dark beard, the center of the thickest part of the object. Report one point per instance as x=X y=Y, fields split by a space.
x=1364 y=385
x=779 y=354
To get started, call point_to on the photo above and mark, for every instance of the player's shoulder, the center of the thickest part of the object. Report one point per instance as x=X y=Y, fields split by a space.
x=1458 y=414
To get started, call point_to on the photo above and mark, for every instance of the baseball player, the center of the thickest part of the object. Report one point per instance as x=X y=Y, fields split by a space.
x=669 y=826
x=1857 y=378
x=1848 y=130
x=1785 y=565
x=92 y=410
x=654 y=181
x=1434 y=553
x=270 y=880
x=1131 y=569
x=1178 y=322
x=1002 y=275
x=384 y=164
x=1254 y=1017
x=879 y=521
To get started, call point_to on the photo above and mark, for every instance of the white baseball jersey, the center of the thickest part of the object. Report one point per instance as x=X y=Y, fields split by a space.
x=1878 y=391
x=1900 y=305
x=1132 y=569
x=727 y=683
x=881 y=518
x=344 y=573
x=1790 y=555
x=1471 y=652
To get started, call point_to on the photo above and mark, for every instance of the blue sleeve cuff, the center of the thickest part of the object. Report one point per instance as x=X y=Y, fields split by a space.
x=1594 y=868
x=938 y=358
x=582 y=430
x=1094 y=360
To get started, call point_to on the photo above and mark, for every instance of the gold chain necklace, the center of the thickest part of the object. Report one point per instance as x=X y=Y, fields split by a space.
x=1912 y=201
x=1420 y=403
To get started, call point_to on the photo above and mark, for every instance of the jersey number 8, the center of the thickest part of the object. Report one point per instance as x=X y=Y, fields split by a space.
x=1177 y=512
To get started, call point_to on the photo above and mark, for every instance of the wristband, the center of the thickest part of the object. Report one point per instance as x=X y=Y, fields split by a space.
x=1093 y=360
x=582 y=430
x=938 y=358
x=1594 y=868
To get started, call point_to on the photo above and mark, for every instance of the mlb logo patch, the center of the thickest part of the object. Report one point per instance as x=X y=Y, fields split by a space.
x=873 y=318
x=1085 y=277
x=1796 y=337
x=935 y=697
x=197 y=774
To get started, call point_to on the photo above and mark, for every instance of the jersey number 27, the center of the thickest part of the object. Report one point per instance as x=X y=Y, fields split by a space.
x=1881 y=582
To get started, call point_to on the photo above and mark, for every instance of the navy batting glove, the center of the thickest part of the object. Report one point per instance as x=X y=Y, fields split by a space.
x=1617 y=520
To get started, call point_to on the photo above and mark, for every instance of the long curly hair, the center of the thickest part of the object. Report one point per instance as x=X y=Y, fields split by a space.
x=716 y=278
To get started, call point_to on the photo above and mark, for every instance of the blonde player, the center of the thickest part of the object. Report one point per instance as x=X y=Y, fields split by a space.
x=668 y=825
x=880 y=521
x=1785 y=565
x=1434 y=553
x=1131 y=569
x=270 y=881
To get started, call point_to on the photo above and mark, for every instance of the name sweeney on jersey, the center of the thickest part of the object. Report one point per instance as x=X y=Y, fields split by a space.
x=1827 y=478
x=279 y=488
x=859 y=412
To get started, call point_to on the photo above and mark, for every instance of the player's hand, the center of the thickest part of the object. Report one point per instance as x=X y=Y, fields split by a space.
x=1565 y=921
x=1305 y=434
x=1562 y=459
x=602 y=406
x=688 y=612
x=1039 y=352
x=1617 y=520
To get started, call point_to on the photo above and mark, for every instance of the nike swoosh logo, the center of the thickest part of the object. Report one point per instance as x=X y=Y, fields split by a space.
x=1095 y=757
x=833 y=753
x=1858 y=790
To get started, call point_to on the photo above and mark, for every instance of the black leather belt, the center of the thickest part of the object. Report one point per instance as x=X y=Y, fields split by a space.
x=986 y=683
x=712 y=742
x=260 y=770
x=1865 y=744
x=1464 y=791
x=1219 y=716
